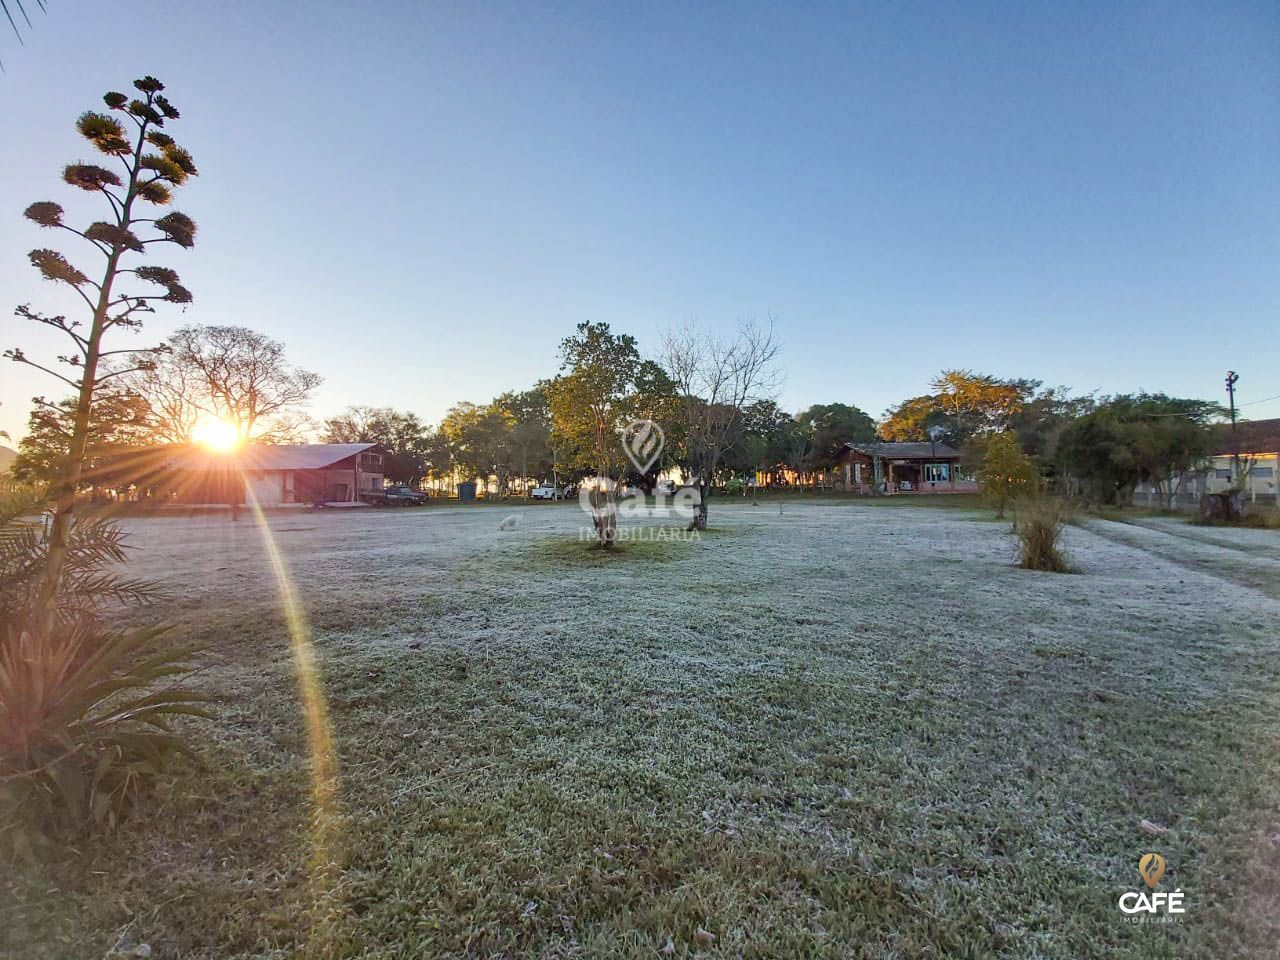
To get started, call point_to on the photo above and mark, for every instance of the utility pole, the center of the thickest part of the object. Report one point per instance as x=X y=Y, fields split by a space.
x=1232 y=377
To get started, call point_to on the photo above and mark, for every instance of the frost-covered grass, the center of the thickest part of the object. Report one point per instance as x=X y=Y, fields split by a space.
x=824 y=730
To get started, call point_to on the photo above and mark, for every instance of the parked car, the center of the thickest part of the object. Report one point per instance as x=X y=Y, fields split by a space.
x=403 y=496
x=545 y=491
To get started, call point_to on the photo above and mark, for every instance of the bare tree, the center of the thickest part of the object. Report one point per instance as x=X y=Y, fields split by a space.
x=716 y=378
x=172 y=398
x=359 y=424
x=233 y=373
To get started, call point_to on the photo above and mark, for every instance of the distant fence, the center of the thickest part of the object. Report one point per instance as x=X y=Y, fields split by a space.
x=1190 y=502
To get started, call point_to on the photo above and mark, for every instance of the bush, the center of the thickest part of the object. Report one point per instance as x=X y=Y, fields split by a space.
x=1038 y=527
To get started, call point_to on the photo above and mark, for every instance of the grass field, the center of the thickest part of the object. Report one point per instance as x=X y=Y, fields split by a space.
x=825 y=729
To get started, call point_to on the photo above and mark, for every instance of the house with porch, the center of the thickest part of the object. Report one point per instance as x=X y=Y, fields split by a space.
x=902 y=467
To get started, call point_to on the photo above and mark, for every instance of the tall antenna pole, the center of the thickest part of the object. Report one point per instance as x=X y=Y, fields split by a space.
x=1232 y=377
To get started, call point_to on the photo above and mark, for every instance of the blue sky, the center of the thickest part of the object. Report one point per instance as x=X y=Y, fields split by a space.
x=421 y=200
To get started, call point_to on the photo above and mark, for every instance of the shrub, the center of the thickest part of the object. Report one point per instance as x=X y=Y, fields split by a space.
x=1038 y=527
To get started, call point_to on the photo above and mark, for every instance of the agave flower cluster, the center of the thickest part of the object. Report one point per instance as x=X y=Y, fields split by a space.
x=146 y=165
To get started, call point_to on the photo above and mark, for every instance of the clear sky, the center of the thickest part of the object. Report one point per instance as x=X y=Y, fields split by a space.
x=422 y=199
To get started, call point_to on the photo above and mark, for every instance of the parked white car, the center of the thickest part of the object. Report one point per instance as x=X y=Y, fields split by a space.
x=544 y=491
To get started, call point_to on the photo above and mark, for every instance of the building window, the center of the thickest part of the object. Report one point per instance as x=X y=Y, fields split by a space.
x=1264 y=471
x=937 y=472
x=1223 y=474
x=370 y=461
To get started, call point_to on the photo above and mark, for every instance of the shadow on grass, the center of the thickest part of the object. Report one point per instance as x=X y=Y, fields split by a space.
x=636 y=545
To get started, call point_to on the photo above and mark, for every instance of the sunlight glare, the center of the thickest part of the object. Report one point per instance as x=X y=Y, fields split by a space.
x=216 y=435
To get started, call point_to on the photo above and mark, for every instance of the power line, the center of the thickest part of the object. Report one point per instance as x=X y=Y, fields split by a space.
x=1263 y=400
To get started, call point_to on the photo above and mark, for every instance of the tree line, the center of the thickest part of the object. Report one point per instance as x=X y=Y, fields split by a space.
x=722 y=423
x=546 y=432
x=1014 y=432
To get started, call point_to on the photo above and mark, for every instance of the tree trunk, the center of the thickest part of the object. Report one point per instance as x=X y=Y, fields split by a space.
x=65 y=503
x=699 y=521
x=699 y=516
x=607 y=528
x=1227 y=506
x=604 y=517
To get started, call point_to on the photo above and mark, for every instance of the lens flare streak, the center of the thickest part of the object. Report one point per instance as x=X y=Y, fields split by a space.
x=325 y=864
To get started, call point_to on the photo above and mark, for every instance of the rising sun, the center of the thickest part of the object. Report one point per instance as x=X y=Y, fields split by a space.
x=216 y=434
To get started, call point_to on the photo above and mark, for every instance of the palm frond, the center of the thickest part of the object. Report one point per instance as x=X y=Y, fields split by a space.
x=86 y=721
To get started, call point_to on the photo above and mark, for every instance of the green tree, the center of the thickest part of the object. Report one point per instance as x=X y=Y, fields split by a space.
x=967 y=404
x=773 y=428
x=800 y=453
x=603 y=384
x=530 y=432
x=404 y=438
x=115 y=451
x=1129 y=439
x=154 y=165
x=480 y=441
x=976 y=403
x=438 y=456
x=831 y=426
x=911 y=420
x=1006 y=472
x=1045 y=414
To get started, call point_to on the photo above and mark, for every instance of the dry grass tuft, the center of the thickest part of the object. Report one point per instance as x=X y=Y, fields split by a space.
x=1038 y=529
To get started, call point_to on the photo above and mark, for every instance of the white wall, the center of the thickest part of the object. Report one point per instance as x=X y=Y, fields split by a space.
x=267 y=487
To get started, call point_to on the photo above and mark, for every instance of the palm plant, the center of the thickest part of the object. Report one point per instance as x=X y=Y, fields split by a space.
x=85 y=712
x=94 y=547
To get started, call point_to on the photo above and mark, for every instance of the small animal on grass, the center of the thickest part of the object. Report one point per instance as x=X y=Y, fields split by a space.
x=511 y=522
